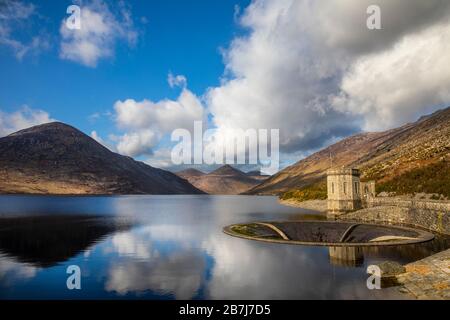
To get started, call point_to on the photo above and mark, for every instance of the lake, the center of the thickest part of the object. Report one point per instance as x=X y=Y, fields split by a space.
x=171 y=247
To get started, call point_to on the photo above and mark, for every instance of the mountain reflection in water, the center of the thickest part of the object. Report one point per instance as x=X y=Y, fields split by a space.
x=45 y=241
x=172 y=247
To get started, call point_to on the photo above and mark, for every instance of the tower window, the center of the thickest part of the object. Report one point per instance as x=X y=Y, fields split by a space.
x=345 y=187
x=332 y=187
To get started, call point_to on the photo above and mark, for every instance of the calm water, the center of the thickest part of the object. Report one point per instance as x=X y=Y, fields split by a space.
x=170 y=247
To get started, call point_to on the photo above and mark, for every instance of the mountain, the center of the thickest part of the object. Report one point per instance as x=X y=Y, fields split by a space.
x=254 y=173
x=257 y=175
x=189 y=173
x=228 y=170
x=226 y=180
x=388 y=157
x=56 y=158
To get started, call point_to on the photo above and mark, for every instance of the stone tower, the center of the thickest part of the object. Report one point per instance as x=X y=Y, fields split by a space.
x=344 y=190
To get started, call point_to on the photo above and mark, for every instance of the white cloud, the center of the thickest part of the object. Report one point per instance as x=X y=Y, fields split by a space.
x=96 y=137
x=401 y=83
x=105 y=142
x=100 y=30
x=299 y=56
x=146 y=122
x=137 y=143
x=21 y=119
x=13 y=16
x=176 y=81
x=161 y=158
x=165 y=115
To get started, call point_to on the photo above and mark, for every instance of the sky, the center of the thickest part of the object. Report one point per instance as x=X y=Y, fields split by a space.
x=137 y=70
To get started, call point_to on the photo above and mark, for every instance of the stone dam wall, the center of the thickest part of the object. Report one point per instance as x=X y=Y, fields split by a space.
x=427 y=214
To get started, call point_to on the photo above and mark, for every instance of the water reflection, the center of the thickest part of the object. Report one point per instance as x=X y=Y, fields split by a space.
x=12 y=271
x=44 y=241
x=346 y=256
x=174 y=249
x=178 y=274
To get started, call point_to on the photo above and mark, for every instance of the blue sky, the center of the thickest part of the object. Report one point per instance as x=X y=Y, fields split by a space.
x=137 y=70
x=179 y=36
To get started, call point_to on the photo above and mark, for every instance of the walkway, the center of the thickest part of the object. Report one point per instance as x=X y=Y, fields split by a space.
x=428 y=278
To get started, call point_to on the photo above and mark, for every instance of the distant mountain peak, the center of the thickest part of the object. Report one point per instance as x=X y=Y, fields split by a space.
x=192 y=171
x=46 y=127
x=256 y=173
x=227 y=170
x=225 y=180
x=189 y=173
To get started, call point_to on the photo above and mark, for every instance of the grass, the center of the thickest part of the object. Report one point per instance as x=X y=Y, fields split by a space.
x=246 y=229
x=432 y=179
x=316 y=191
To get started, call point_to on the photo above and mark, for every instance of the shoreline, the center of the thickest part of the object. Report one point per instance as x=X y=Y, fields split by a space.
x=313 y=205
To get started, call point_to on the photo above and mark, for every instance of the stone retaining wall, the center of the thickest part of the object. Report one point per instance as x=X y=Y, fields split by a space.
x=435 y=205
x=430 y=215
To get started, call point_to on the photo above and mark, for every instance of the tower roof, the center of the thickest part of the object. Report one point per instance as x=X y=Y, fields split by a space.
x=343 y=171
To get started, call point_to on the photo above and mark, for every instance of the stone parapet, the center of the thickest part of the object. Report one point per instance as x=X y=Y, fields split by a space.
x=428 y=215
x=418 y=204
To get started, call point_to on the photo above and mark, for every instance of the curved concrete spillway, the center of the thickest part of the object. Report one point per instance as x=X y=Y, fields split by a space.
x=329 y=233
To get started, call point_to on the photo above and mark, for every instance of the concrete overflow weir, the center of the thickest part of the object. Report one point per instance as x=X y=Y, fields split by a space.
x=329 y=233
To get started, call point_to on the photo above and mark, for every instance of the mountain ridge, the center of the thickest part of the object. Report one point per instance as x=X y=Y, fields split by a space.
x=225 y=180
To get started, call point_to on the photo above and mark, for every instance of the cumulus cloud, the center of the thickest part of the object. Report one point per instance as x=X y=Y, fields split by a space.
x=137 y=143
x=176 y=81
x=101 y=29
x=146 y=122
x=161 y=158
x=14 y=15
x=165 y=115
x=401 y=83
x=21 y=119
x=315 y=71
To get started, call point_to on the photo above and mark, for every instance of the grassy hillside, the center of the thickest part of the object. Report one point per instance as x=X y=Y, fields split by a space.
x=432 y=179
x=316 y=191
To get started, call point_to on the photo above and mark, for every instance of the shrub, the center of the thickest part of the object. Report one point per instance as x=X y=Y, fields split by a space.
x=316 y=191
x=432 y=179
